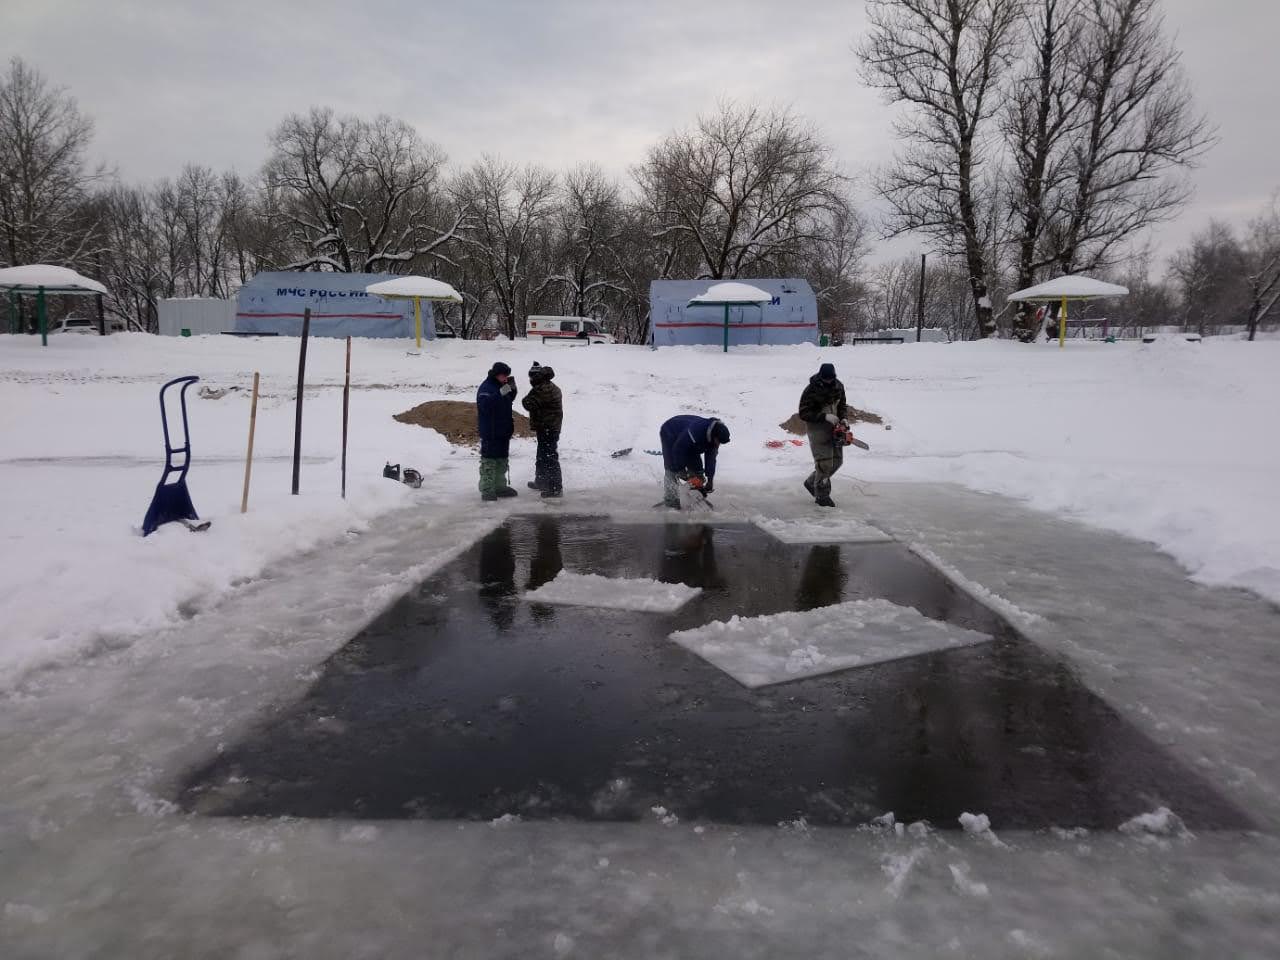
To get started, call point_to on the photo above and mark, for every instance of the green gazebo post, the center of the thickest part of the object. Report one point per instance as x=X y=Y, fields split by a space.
x=42 y=316
x=732 y=294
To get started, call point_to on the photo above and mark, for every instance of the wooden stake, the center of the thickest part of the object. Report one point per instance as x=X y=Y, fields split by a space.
x=346 y=406
x=297 y=416
x=248 y=457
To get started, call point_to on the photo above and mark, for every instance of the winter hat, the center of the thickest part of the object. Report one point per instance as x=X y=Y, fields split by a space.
x=827 y=371
x=499 y=368
x=718 y=432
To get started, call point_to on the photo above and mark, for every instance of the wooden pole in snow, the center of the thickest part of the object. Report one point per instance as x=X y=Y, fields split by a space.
x=346 y=406
x=248 y=457
x=297 y=416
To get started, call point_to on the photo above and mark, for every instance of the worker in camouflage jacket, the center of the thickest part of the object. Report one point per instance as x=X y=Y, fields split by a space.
x=823 y=408
x=546 y=415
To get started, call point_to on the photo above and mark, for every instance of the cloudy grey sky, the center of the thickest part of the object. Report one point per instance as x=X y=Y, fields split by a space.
x=556 y=82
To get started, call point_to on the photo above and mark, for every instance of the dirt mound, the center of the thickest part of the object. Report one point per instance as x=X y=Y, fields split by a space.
x=455 y=419
x=794 y=424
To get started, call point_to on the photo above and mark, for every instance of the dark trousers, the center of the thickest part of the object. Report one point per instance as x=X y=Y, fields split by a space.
x=546 y=468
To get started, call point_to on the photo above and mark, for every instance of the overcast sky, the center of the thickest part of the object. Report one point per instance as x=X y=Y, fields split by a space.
x=555 y=81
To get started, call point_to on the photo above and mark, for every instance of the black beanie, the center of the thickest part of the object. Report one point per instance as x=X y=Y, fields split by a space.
x=827 y=371
x=720 y=433
x=498 y=368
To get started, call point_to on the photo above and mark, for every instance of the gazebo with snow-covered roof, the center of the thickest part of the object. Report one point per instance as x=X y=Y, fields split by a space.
x=44 y=279
x=1066 y=288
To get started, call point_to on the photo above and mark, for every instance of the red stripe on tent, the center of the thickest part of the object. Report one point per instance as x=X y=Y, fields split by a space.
x=739 y=326
x=314 y=316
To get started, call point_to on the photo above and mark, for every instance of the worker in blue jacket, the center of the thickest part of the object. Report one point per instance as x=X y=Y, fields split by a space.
x=689 y=446
x=496 y=426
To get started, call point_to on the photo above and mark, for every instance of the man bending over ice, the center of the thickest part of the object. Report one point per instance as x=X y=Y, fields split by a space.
x=686 y=441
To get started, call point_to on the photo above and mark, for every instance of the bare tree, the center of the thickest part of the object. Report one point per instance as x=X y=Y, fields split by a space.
x=1041 y=116
x=588 y=226
x=1137 y=128
x=467 y=271
x=1210 y=276
x=894 y=292
x=944 y=60
x=834 y=268
x=358 y=196
x=44 y=177
x=746 y=190
x=507 y=208
x=1262 y=264
x=637 y=261
x=1150 y=303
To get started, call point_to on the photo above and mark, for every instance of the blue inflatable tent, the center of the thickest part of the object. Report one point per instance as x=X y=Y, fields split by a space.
x=272 y=303
x=791 y=317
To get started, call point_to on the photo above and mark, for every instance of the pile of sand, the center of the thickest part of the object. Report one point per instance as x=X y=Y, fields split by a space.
x=455 y=419
x=794 y=424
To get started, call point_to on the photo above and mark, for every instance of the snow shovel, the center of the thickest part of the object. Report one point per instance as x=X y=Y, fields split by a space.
x=172 y=501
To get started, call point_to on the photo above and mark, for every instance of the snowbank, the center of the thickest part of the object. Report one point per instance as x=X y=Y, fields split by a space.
x=1171 y=443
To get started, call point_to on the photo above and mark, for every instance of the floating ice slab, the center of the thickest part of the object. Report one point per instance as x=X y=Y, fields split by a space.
x=614 y=593
x=827 y=530
x=757 y=651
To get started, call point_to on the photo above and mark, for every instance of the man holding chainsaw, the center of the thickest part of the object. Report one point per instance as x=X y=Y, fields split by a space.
x=688 y=441
x=823 y=408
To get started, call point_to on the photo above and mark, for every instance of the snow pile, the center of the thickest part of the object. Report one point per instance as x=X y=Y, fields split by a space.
x=978 y=825
x=831 y=529
x=665 y=816
x=1159 y=823
x=613 y=593
x=966 y=884
x=897 y=867
x=757 y=651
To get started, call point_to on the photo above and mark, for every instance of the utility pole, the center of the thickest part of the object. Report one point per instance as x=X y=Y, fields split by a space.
x=920 y=303
x=102 y=318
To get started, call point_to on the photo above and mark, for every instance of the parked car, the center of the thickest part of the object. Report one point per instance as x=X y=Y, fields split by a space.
x=75 y=324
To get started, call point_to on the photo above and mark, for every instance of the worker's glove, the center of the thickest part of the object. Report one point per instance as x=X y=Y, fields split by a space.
x=832 y=419
x=508 y=387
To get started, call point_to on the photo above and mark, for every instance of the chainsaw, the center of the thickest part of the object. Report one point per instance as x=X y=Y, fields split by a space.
x=842 y=435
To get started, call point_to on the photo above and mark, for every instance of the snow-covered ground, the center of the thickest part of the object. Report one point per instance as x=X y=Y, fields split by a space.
x=1173 y=443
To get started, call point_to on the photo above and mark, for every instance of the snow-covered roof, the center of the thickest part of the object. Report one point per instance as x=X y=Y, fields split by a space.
x=1073 y=287
x=731 y=292
x=423 y=287
x=30 y=278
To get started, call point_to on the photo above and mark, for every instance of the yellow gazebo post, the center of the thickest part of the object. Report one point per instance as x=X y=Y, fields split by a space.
x=416 y=289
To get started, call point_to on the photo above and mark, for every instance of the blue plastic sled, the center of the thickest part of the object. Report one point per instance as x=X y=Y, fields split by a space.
x=172 y=501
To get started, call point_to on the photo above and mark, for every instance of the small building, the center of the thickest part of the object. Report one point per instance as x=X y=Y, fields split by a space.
x=198 y=316
x=790 y=317
x=273 y=303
